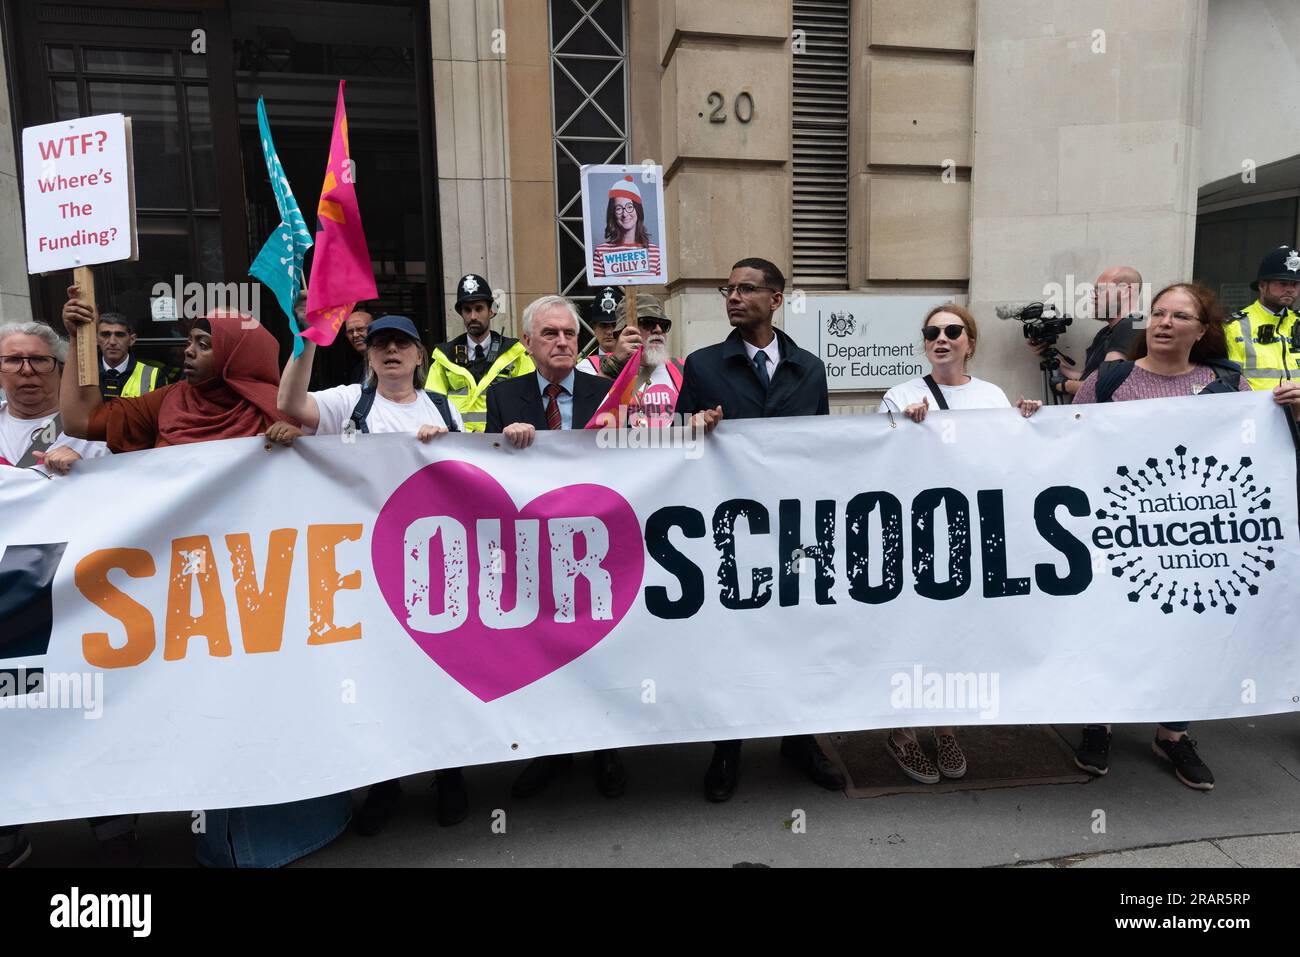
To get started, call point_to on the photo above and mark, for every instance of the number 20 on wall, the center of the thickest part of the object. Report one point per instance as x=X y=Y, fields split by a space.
x=743 y=107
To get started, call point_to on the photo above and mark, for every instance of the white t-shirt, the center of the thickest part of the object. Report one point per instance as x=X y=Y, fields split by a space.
x=975 y=394
x=16 y=439
x=336 y=407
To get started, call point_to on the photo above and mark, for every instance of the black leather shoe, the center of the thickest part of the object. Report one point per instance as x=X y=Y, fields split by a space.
x=724 y=771
x=611 y=778
x=451 y=800
x=805 y=754
x=378 y=808
x=534 y=778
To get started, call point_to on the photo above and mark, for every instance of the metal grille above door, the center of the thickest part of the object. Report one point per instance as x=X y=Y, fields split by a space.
x=821 y=143
x=588 y=116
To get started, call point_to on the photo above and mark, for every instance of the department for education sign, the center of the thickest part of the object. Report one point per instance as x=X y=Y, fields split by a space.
x=867 y=342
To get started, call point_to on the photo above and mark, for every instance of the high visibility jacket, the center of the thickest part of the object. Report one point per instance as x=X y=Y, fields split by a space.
x=1263 y=363
x=469 y=395
x=141 y=378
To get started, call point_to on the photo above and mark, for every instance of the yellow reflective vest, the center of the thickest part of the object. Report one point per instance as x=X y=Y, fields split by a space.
x=1263 y=363
x=143 y=378
x=468 y=395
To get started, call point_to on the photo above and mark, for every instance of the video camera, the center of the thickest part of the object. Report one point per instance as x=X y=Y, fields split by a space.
x=1043 y=327
x=1040 y=323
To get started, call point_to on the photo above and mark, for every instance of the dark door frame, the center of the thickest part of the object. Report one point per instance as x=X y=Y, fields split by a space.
x=31 y=104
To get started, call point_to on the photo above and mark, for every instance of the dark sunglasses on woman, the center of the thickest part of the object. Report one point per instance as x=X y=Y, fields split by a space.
x=953 y=332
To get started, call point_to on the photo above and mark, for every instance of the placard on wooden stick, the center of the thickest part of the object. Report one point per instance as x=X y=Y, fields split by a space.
x=79 y=191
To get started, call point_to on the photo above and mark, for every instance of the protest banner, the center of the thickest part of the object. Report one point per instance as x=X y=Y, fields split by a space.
x=212 y=642
x=79 y=193
x=623 y=225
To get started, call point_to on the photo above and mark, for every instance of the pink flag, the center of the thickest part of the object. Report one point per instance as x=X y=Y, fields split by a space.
x=620 y=394
x=341 y=274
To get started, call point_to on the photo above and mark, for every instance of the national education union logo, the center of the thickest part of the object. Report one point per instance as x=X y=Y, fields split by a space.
x=1189 y=531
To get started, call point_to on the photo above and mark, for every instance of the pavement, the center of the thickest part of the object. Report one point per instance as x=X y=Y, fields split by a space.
x=1139 y=815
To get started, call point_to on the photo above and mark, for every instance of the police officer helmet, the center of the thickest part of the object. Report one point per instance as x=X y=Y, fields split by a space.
x=472 y=288
x=1281 y=263
x=605 y=304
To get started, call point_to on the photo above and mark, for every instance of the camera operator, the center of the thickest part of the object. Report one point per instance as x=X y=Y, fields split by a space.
x=1114 y=298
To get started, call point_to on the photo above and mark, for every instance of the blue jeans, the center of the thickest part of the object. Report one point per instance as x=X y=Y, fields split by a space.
x=272 y=835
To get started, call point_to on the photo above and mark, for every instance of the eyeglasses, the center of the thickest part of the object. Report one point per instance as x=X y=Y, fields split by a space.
x=654 y=322
x=624 y=208
x=744 y=288
x=1180 y=316
x=953 y=332
x=40 y=365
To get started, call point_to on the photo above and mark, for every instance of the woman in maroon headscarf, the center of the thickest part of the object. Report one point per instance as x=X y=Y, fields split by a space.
x=228 y=390
x=231 y=380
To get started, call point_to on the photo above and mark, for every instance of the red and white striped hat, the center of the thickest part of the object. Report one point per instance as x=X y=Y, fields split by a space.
x=625 y=188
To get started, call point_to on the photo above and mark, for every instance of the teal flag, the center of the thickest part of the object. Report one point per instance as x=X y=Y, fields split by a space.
x=279 y=264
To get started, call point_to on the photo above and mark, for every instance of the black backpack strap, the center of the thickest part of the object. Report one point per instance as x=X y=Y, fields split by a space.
x=42 y=439
x=1227 y=377
x=936 y=392
x=444 y=409
x=361 y=411
x=1110 y=376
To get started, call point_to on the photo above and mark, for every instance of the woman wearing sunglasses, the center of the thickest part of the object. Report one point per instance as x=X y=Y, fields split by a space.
x=950 y=336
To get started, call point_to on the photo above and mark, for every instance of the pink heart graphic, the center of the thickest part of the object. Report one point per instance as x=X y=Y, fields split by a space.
x=476 y=622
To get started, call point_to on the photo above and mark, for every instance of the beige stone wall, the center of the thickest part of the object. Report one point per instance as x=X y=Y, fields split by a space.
x=991 y=150
x=1250 y=114
x=727 y=187
x=492 y=108
x=911 y=88
x=15 y=298
x=1083 y=157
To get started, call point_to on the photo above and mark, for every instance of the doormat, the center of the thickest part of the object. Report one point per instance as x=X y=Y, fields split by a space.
x=997 y=756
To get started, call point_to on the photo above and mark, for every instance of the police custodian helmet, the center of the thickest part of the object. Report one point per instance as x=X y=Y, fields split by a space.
x=1281 y=263
x=604 y=304
x=472 y=288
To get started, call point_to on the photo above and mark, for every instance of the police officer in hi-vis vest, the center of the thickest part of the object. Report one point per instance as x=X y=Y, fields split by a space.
x=121 y=374
x=1262 y=337
x=465 y=367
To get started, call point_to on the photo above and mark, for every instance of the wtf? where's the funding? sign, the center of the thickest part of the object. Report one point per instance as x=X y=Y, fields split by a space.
x=78 y=191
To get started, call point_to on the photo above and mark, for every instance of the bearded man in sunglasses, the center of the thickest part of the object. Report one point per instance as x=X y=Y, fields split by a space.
x=659 y=381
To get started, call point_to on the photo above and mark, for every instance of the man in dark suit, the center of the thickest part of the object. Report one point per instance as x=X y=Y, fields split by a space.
x=557 y=396
x=756 y=372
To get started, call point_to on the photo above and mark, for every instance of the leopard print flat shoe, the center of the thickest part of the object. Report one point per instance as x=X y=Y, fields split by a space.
x=915 y=763
x=952 y=763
